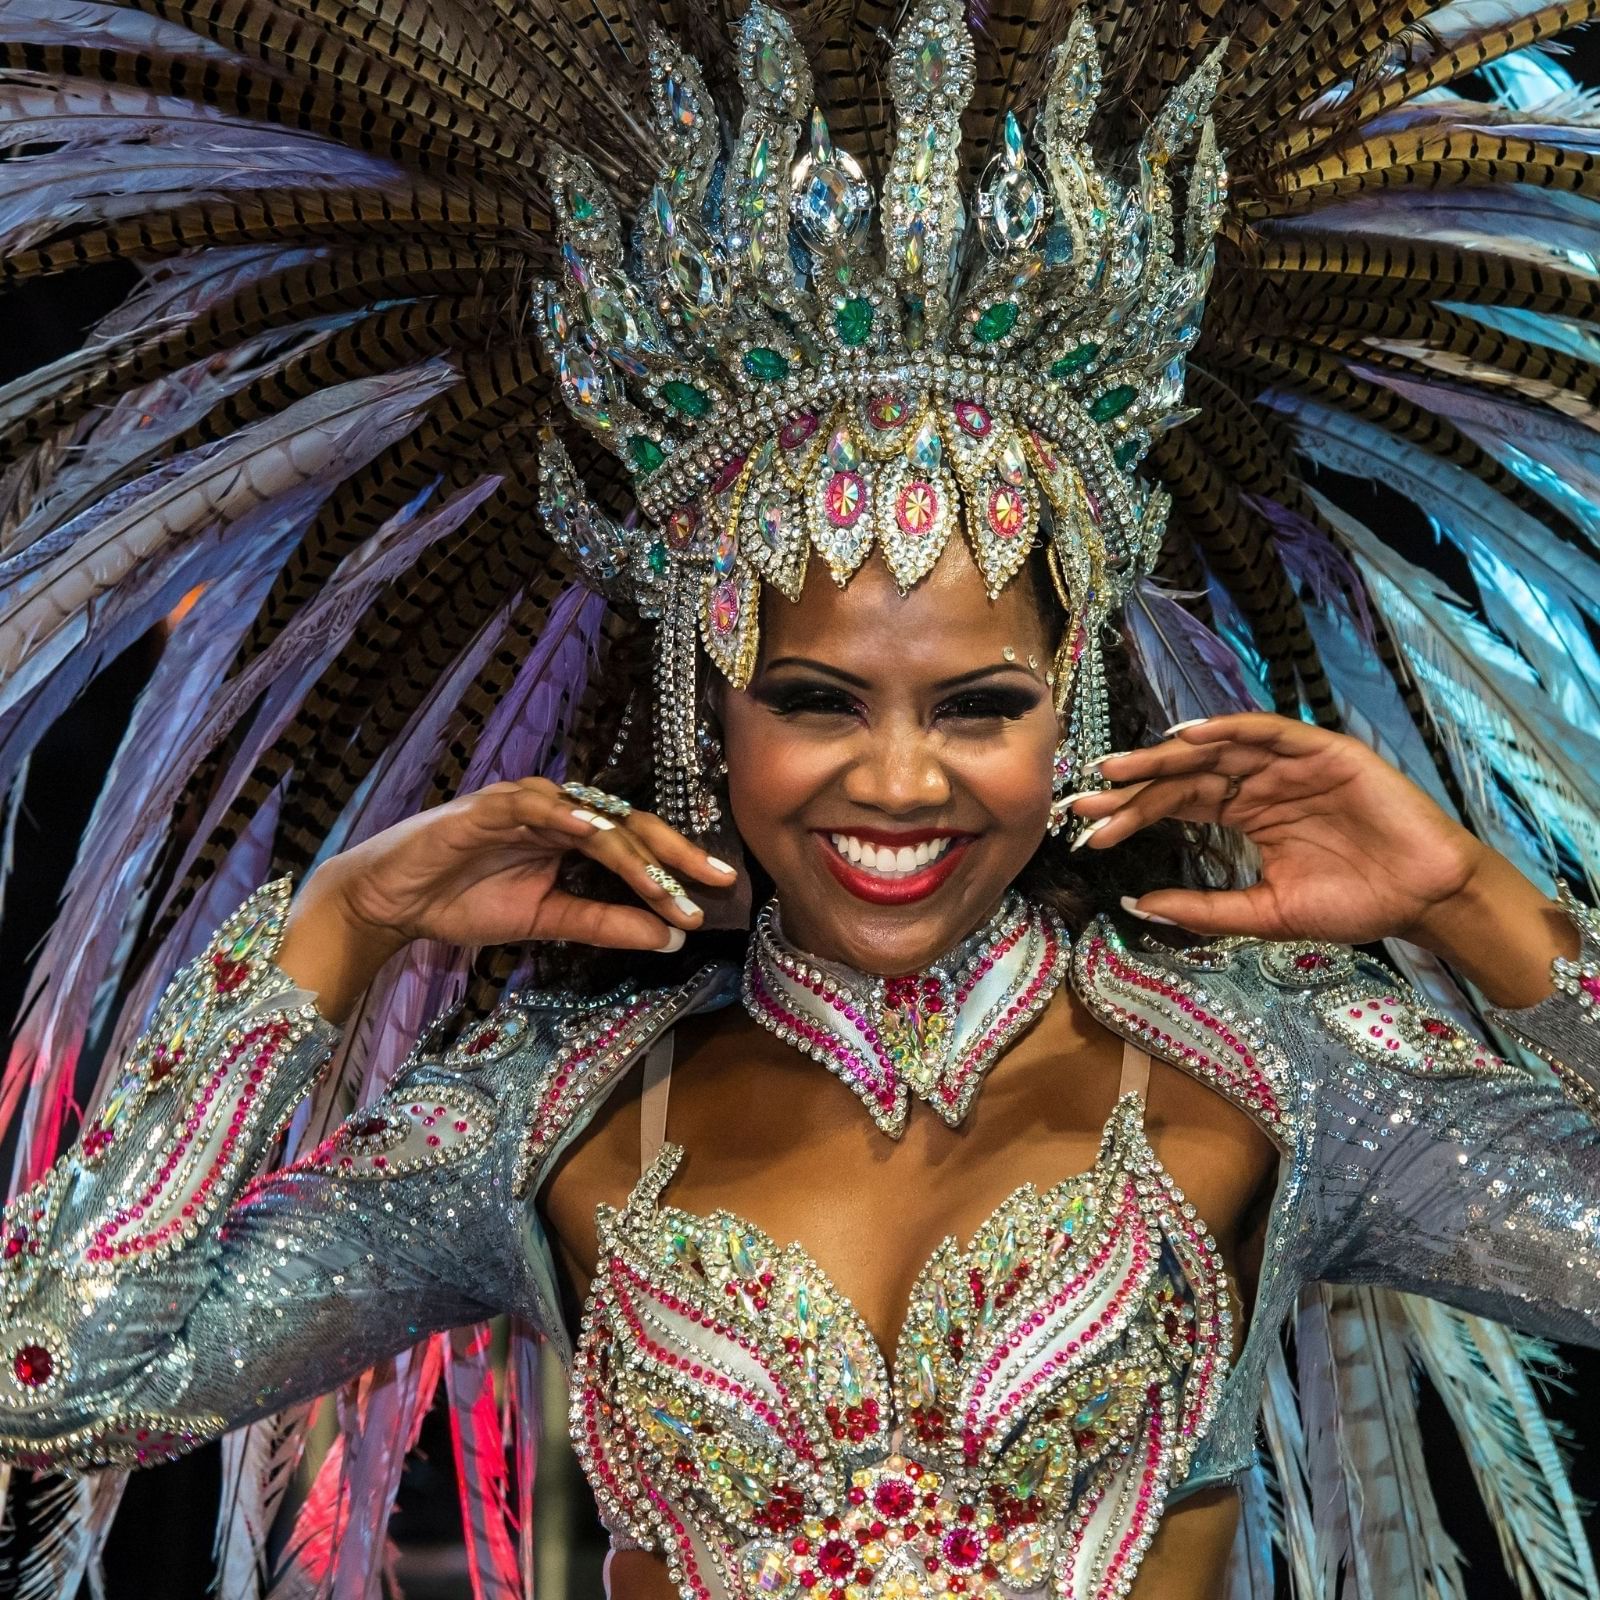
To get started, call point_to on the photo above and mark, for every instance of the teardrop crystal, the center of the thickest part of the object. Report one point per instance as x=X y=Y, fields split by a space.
x=926 y=450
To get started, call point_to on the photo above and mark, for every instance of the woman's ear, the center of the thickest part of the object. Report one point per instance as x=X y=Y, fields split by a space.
x=732 y=907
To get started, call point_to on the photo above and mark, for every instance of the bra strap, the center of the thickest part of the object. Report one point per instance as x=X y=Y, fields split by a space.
x=1135 y=1071
x=653 y=1099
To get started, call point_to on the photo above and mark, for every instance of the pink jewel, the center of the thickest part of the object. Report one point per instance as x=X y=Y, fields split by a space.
x=844 y=499
x=1046 y=453
x=973 y=418
x=725 y=608
x=1311 y=961
x=797 y=430
x=1590 y=984
x=1007 y=512
x=916 y=507
x=725 y=479
x=886 y=411
x=33 y=1365
x=681 y=526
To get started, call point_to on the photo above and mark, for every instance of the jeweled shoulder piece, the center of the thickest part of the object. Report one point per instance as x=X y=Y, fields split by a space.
x=778 y=384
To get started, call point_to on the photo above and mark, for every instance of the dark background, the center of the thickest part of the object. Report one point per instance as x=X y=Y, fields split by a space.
x=160 y=1547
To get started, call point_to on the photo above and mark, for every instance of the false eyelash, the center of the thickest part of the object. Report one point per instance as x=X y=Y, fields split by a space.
x=977 y=705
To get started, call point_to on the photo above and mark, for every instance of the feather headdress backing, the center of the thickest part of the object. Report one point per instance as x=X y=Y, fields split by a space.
x=321 y=405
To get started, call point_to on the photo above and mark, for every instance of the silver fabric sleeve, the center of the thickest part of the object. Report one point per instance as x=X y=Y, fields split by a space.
x=1480 y=1188
x=1565 y=1028
x=156 y=1293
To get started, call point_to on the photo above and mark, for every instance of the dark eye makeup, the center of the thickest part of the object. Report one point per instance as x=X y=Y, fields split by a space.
x=996 y=703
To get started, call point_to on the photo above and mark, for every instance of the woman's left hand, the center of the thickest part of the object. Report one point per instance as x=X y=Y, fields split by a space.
x=1351 y=850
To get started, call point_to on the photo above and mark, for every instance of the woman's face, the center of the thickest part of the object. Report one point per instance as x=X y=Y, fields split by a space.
x=889 y=764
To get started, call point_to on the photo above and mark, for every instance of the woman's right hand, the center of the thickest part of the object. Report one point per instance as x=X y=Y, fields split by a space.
x=482 y=869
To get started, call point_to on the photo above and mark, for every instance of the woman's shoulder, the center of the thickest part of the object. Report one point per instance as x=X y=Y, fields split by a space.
x=559 y=1051
x=1267 y=1021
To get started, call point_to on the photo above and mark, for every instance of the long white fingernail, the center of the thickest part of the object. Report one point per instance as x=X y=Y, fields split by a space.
x=1193 y=722
x=1110 y=755
x=1126 y=902
x=686 y=905
x=673 y=941
x=1070 y=799
x=720 y=866
x=1090 y=829
x=598 y=823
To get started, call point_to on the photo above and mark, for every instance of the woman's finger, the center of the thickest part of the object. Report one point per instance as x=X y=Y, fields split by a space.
x=1211 y=912
x=621 y=850
x=1190 y=797
x=677 y=852
x=1173 y=756
x=568 y=916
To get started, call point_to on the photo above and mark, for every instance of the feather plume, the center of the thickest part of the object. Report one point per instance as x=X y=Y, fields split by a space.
x=1369 y=1482
x=1485 y=700
x=259 y=1463
x=482 y=1477
x=1485 y=1375
x=1192 y=672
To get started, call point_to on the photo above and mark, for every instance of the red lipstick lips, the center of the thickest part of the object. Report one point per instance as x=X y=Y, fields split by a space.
x=894 y=891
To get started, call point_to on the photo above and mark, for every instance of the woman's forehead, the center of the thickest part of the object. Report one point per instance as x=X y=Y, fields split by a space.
x=945 y=614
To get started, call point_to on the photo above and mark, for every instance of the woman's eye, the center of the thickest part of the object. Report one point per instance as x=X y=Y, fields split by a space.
x=988 y=704
x=824 y=702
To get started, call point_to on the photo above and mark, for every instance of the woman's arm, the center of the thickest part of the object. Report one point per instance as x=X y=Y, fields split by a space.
x=1475 y=1185
x=155 y=1293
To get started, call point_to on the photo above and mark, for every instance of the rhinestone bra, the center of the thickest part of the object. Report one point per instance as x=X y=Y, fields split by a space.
x=1051 y=1381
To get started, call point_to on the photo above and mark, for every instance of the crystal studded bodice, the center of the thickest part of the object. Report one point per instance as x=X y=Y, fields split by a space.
x=1050 y=1383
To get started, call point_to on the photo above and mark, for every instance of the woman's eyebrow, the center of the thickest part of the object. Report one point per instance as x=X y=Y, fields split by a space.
x=942 y=685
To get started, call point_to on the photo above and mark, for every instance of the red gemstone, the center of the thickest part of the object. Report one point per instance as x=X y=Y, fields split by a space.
x=368 y=1126
x=33 y=1365
x=228 y=975
x=1590 y=984
x=1311 y=961
x=894 y=1498
x=488 y=1037
x=961 y=1548
x=837 y=1558
x=1436 y=1027
x=14 y=1245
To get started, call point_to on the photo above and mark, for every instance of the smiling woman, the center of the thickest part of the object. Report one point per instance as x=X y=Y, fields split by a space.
x=908 y=1093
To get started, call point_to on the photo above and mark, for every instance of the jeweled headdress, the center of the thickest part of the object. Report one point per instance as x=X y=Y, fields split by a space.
x=788 y=365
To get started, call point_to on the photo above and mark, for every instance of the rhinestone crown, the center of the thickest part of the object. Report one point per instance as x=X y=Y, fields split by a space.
x=782 y=371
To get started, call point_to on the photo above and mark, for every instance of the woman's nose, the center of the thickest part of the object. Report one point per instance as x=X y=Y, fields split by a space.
x=897 y=771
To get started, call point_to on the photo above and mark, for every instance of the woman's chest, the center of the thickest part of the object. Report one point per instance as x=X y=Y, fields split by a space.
x=774 y=1142
x=934 y=1353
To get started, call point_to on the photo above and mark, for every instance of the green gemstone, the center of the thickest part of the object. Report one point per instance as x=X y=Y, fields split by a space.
x=1125 y=452
x=765 y=363
x=1113 y=402
x=996 y=322
x=853 y=322
x=645 y=453
x=582 y=206
x=684 y=397
x=657 y=557
x=1074 y=360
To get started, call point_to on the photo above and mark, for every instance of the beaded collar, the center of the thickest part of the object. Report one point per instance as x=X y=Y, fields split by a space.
x=933 y=1033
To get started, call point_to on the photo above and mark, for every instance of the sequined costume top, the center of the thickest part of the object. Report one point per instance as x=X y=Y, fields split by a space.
x=1055 y=1375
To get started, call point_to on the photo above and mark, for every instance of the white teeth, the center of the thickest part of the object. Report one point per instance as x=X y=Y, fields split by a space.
x=883 y=860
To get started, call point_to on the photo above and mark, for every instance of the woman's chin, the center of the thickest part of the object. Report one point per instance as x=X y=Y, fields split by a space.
x=883 y=925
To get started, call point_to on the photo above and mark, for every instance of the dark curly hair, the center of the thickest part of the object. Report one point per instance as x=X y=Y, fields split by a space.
x=611 y=746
